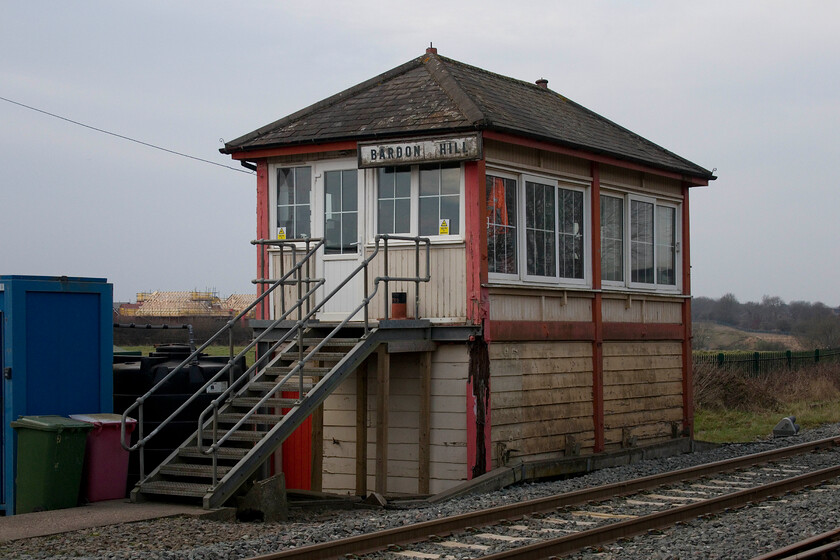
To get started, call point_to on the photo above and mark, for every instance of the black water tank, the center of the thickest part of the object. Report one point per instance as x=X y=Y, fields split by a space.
x=134 y=376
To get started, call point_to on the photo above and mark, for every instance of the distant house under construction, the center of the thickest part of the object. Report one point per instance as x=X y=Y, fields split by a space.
x=186 y=304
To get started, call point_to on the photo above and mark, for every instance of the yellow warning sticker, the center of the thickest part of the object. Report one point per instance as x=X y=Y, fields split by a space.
x=281 y=233
x=443 y=229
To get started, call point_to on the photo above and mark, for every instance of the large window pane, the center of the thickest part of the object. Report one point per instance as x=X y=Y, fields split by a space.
x=294 y=185
x=340 y=212
x=666 y=245
x=393 y=192
x=440 y=188
x=570 y=233
x=501 y=225
x=641 y=242
x=612 y=239
x=539 y=229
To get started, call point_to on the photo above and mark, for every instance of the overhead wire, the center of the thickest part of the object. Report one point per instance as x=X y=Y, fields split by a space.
x=147 y=144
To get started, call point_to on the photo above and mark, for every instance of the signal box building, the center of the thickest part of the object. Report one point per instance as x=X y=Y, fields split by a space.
x=558 y=297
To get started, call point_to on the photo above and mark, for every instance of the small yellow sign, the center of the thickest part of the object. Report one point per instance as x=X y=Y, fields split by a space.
x=281 y=233
x=443 y=228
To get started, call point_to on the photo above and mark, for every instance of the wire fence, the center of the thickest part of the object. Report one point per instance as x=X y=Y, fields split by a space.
x=757 y=363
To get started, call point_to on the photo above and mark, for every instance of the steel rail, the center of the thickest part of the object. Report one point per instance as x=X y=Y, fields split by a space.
x=371 y=542
x=813 y=547
x=667 y=518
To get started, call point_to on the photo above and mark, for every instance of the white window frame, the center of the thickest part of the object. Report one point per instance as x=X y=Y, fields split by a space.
x=521 y=240
x=654 y=286
x=319 y=194
x=272 y=197
x=522 y=236
x=624 y=242
x=373 y=204
x=316 y=196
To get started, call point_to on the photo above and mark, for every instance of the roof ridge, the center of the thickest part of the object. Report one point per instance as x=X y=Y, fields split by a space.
x=358 y=88
x=496 y=75
x=436 y=67
x=596 y=115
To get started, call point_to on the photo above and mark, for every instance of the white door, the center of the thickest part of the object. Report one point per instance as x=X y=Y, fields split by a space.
x=338 y=186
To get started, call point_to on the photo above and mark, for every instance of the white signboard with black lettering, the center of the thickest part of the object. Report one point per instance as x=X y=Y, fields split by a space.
x=423 y=150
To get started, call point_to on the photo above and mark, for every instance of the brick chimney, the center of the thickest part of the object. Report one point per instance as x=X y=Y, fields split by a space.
x=542 y=82
x=431 y=50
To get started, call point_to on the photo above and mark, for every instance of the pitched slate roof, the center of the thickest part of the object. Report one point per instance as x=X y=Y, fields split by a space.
x=434 y=94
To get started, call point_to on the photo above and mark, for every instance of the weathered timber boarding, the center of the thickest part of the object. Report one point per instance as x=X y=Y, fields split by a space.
x=558 y=296
x=642 y=392
x=541 y=399
x=447 y=429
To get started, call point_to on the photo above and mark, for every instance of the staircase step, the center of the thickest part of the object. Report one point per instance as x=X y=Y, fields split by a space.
x=233 y=418
x=264 y=387
x=307 y=370
x=275 y=402
x=334 y=356
x=239 y=435
x=193 y=470
x=333 y=342
x=230 y=453
x=168 y=488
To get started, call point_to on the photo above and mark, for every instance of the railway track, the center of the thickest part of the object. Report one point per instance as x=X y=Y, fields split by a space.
x=562 y=524
x=825 y=546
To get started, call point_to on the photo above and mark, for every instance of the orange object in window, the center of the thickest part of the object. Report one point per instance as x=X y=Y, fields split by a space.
x=496 y=207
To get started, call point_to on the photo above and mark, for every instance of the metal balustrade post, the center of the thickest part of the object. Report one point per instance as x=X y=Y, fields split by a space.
x=385 y=276
x=283 y=287
x=140 y=421
x=215 y=476
x=231 y=354
x=417 y=276
x=308 y=277
x=367 y=325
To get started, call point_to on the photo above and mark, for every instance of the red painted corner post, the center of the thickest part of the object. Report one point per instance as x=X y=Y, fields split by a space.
x=479 y=448
x=262 y=311
x=688 y=374
x=475 y=211
x=597 y=318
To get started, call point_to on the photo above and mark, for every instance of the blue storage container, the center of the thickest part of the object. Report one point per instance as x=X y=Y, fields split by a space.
x=56 y=353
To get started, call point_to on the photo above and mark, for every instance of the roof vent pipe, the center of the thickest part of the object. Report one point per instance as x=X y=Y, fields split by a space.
x=431 y=50
x=542 y=82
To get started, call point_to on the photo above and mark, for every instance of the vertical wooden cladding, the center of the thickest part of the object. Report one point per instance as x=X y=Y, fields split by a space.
x=644 y=183
x=531 y=159
x=444 y=296
x=447 y=453
x=509 y=304
x=541 y=397
x=645 y=309
x=643 y=391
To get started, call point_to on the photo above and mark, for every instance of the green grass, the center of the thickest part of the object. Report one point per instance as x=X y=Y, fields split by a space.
x=731 y=406
x=722 y=426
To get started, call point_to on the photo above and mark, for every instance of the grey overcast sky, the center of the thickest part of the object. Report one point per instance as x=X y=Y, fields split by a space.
x=751 y=88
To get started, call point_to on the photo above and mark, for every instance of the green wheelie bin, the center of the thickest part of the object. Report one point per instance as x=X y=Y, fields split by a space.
x=50 y=455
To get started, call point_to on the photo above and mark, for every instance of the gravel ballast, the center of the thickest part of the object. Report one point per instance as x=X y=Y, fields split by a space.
x=737 y=534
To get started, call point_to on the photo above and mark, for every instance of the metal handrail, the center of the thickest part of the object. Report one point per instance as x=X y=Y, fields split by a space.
x=139 y=402
x=298 y=329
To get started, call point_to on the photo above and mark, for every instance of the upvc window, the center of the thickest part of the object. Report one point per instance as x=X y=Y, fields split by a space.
x=639 y=234
x=612 y=239
x=440 y=199
x=393 y=203
x=501 y=225
x=551 y=245
x=424 y=200
x=294 y=207
x=341 y=212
